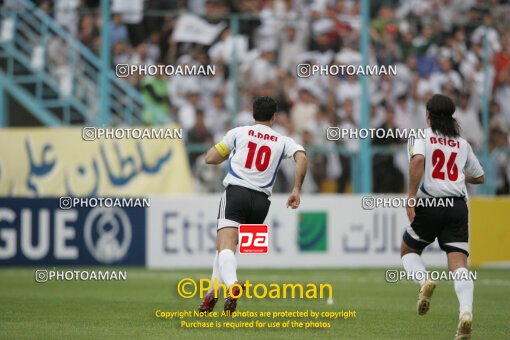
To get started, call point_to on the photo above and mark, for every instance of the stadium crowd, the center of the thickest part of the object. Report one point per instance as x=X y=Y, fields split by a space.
x=436 y=45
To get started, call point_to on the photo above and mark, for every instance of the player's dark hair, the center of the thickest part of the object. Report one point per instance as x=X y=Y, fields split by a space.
x=441 y=109
x=264 y=108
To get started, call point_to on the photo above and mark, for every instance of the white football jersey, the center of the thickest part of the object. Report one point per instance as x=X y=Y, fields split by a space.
x=446 y=161
x=256 y=153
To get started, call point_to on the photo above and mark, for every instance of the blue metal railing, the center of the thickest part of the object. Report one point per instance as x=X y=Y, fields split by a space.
x=64 y=73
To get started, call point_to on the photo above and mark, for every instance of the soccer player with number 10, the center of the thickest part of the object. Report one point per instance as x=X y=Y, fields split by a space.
x=254 y=156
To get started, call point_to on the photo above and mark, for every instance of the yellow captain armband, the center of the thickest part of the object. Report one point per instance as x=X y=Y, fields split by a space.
x=222 y=149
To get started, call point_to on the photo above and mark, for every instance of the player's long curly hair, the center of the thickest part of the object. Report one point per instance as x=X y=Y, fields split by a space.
x=441 y=109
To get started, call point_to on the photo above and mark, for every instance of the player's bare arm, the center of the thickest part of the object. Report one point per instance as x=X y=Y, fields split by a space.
x=472 y=180
x=217 y=154
x=299 y=176
x=416 y=169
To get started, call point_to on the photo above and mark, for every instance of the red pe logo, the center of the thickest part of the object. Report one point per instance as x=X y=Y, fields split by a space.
x=253 y=238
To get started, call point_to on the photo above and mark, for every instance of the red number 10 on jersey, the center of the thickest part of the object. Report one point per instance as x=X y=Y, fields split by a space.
x=262 y=158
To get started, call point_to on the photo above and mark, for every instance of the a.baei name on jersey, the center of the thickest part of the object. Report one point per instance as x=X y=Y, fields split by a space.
x=445 y=141
x=265 y=136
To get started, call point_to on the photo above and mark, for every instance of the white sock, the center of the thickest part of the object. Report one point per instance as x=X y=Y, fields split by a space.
x=215 y=272
x=464 y=288
x=413 y=263
x=228 y=267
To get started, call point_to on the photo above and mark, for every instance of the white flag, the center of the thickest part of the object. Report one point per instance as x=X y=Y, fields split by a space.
x=191 y=28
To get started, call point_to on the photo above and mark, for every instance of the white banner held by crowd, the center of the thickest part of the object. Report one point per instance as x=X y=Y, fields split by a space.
x=191 y=28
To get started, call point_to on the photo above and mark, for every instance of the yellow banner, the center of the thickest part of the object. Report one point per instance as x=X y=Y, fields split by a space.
x=44 y=162
x=489 y=232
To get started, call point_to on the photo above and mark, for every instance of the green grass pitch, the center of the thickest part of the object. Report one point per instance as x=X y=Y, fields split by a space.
x=126 y=309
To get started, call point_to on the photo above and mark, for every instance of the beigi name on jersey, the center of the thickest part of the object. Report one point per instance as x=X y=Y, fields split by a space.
x=445 y=141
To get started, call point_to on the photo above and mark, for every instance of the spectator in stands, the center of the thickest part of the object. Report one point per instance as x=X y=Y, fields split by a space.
x=304 y=110
x=44 y=5
x=66 y=14
x=141 y=56
x=88 y=31
x=292 y=44
x=187 y=112
x=316 y=161
x=487 y=30
x=199 y=134
x=154 y=91
x=502 y=79
x=446 y=79
x=153 y=49
x=132 y=16
x=466 y=115
x=120 y=53
x=180 y=85
x=349 y=89
x=118 y=30
x=496 y=117
x=347 y=122
x=216 y=116
x=499 y=139
x=386 y=176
